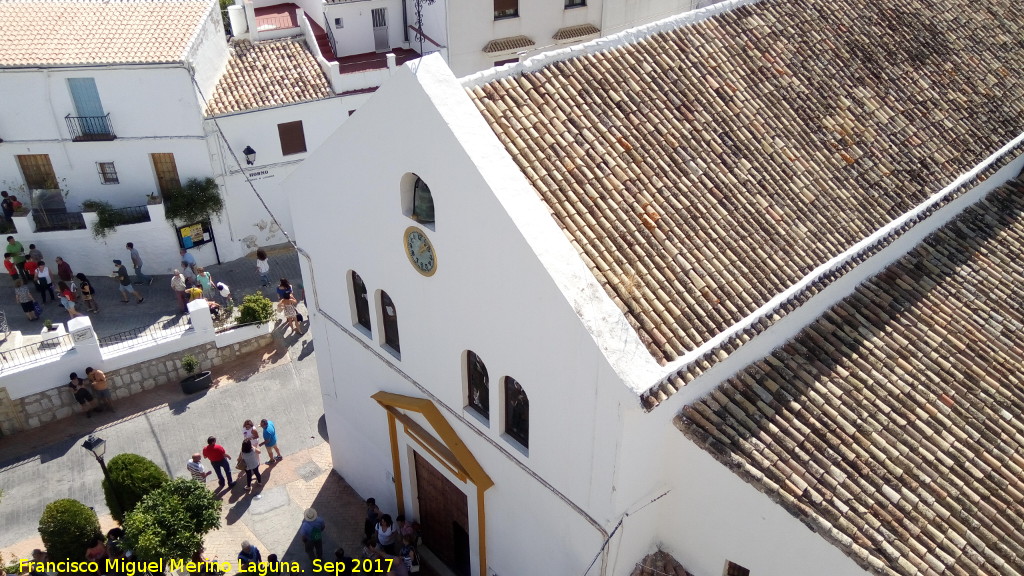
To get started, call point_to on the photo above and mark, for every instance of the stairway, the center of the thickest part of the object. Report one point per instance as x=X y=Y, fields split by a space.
x=323 y=42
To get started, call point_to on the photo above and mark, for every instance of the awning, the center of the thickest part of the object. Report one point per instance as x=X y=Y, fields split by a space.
x=507 y=44
x=571 y=32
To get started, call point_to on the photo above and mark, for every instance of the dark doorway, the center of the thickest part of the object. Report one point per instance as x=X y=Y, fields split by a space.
x=443 y=517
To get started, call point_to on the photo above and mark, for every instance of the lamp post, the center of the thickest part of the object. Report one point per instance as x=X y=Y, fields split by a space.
x=250 y=155
x=98 y=447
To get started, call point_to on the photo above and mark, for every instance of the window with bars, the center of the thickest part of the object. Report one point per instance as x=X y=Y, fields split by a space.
x=732 y=569
x=478 y=392
x=362 y=303
x=108 y=174
x=517 y=412
x=293 y=138
x=506 y=9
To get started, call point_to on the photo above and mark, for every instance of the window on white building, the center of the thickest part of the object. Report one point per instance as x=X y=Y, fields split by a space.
x=506 y=9
x=417 y=200
x=506 y=61
x=108 y=174
x=575 y=3
x=732 y=569
x=477 y=390
x=293 y=138
x=389 y=322
x=360 y=302
x=517 y=412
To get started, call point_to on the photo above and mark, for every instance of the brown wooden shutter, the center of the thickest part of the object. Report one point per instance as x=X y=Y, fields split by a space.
x=293 y=139
x=503 y=5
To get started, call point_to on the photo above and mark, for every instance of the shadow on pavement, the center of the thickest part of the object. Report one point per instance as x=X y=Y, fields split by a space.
x=321 y=427
x=307 y=350
x=181 y=406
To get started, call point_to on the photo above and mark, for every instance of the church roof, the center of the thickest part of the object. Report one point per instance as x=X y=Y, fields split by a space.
x=892 y=426
x=705 y=167
x=660 y=563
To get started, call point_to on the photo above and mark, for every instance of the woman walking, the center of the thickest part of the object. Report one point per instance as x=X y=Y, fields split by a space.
x=250 y=458
x=284 y=288
x=291 y=315
x=263 y=267
x=87 y=291
x=25 y=299
x=67 y=298
x=205 y=282
x=44 y=283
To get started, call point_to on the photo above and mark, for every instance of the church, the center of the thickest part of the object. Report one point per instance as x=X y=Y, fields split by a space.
x=734 y=293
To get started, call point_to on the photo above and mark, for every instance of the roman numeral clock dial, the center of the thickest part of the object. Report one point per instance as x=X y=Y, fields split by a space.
x=420 y=251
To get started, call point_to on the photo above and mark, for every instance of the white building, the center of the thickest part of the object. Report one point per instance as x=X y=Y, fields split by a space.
x=578 y=285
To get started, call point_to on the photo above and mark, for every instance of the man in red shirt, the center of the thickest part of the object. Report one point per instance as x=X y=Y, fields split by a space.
x=218 y=457
x=11 y=268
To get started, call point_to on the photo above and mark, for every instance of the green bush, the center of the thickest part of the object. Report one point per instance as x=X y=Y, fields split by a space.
x=133 y=477
x=66 y=528
x=189 y=363
x=255 y=308
x=170 y=522
x=198 y=200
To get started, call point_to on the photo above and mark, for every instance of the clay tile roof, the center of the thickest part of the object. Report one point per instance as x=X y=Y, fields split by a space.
x=265 y=75
x=68 y=32
x=893 y=425
x=659 y=564
x=702 y=169
x=506 y=44
x=571 y=32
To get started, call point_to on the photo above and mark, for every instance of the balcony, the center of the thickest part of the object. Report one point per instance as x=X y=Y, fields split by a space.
x=90 y=128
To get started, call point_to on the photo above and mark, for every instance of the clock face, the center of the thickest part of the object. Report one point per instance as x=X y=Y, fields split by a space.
x=420 y=251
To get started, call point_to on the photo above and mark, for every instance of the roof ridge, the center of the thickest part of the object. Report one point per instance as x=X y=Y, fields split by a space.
x=609 y=42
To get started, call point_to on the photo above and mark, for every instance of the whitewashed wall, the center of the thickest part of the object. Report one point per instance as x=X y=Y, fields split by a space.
x=356 y=37
x=491 y=284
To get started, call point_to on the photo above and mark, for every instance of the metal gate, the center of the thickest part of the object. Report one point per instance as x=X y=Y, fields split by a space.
x=380 y=30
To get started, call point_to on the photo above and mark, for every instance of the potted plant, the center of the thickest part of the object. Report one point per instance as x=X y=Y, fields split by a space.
x=194 y=382
x=48 y=325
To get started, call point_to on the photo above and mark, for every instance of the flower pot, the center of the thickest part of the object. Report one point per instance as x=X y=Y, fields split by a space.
x=196 y=382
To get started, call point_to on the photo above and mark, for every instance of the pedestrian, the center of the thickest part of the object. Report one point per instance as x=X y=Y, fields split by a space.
x=44 y=284
x=312 y=532
x=67 y=299
x=218 y=458
x=249 y=431
x=125 y=282
x=270 y=441
x=97 y=549
x=178 y=286
x=195 y=468
x=82 y=395
x=372 y=515
x=408 y=554
x=34 y=253
x=88 y=292
x=11 y=268
x=64 y=270
x=187 y=258
x=249 y=556
x=225 y=292
x=17 y=252
x=140 y=278
x=194 y=293
x=387 y=535
x=6 y=205
x=287 y=306
x=190 y=274
x=250 y=460
x=263 y=267
x=25 y=299
x=100 y=386
x=205 y=282
x=284 y=288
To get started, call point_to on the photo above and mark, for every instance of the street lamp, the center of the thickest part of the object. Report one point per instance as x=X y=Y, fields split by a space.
x=98 y=447
x=250 y=155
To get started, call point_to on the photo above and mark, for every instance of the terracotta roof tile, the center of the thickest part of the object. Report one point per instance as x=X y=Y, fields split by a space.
x=265 y=75
x=704 y=169
x=506 y=44
x=894 y=421
x=659 y=563
x=572 y=32
x=63 y=32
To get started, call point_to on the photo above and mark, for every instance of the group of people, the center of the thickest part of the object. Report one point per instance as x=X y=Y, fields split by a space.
x=387 y=538
x=30 y=269
x=248 y=459
x=93 y=392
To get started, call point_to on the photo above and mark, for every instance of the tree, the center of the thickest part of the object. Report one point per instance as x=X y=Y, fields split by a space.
x=66 y=528
x=256 y=308
x=198 y=200
x=132 y=477
x=170 y=522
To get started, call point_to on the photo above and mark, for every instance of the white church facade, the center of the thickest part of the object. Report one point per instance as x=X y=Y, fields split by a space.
x=687 y=289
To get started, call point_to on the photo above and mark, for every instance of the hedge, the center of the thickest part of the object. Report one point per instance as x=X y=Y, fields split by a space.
x=66 y=528
x=133 y=477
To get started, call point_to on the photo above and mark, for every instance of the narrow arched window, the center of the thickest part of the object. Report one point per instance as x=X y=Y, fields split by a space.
x=361 y=302
x=422 y=202
x=517 y=412
x=389 y=322
x=478 y=393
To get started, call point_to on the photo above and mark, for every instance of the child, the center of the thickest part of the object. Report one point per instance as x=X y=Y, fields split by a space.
x=263 y=267
x=225 y=292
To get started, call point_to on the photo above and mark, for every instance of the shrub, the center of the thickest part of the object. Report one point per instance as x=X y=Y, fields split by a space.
x=197 y=201
x=66 y=528
x=255 y=308
x=170 y=522
x=107 y=217
x=133 y=477
x=189 y=363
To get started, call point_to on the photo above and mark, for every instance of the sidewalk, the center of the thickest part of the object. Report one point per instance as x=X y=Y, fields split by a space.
x=279 y=383
x=159 y=306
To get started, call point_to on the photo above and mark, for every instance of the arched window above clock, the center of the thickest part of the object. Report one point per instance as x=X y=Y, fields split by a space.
x=477 y=390
x=389 y=324
x=417 y=200
x=360 y=302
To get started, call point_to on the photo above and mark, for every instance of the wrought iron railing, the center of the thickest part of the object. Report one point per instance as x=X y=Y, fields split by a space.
x=48 y=348
x=89 y=128
x=50 y=221
x=146 y=335
x=132 y=215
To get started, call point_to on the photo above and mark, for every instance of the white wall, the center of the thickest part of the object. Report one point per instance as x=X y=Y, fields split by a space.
x=622 y=14
x=489 y=282
x=357 y=35
x=209 y=52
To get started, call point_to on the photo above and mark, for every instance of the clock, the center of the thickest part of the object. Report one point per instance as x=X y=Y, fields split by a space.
x=420 y=251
